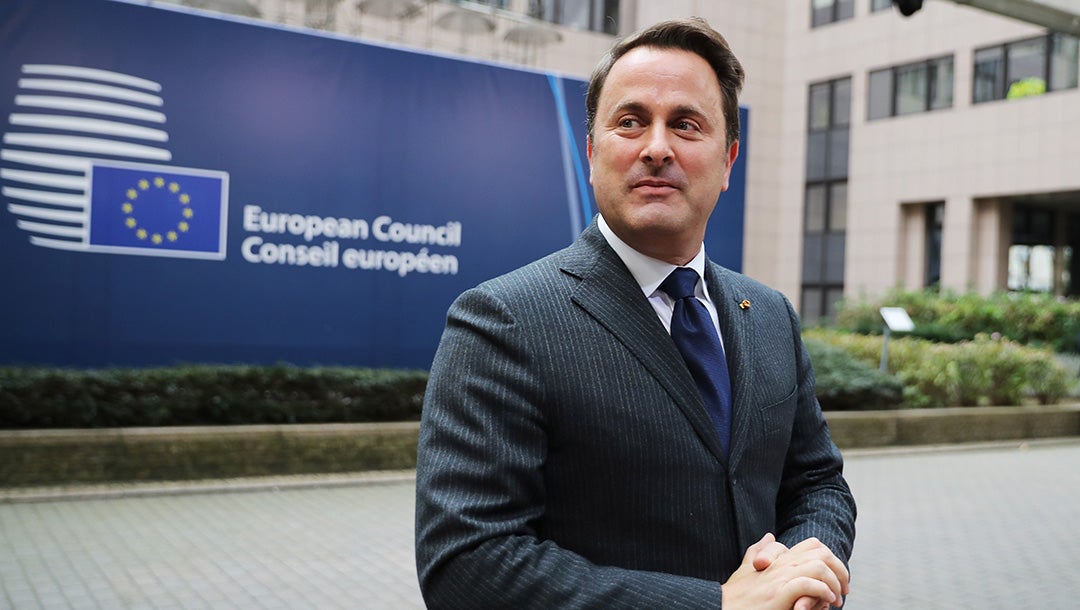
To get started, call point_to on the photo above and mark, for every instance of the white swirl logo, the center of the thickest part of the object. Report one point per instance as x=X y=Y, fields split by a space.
x=82 y=169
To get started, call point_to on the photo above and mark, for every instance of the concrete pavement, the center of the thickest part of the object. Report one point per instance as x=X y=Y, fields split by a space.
x=994 y=526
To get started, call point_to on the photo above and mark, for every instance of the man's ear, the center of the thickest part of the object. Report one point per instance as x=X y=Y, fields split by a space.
x=588 y=154
x=732 y=154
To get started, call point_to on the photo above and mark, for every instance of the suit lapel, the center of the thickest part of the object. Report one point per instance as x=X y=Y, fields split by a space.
x=737 y=330
x=609 y=293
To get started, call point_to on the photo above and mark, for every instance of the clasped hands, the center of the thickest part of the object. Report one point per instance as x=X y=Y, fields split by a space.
x=808 y=576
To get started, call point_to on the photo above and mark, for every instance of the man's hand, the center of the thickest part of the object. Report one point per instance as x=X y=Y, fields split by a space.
x=767 y=554
x=806 y=577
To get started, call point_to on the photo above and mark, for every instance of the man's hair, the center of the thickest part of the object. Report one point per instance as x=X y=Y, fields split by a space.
x=694 y=35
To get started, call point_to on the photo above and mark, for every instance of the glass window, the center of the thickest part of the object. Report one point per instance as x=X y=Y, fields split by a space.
x=1031 y=268
x=881 y=94
x=1025 y=67
x=845 y=9
x=834 y=258
x=838 y=157
x=841 y=102
x=1063 y=62
x=811 y=262
x=1026 y=59
x=832 y=297
x=576 y=15
x=825 y=203
x=941 y=83
x=816 y=155
x=811 y=305
x=594 y=15
x=611 y=17
x=819 y=106
x=879 y=5
x=822 y=12
x=989 y=74
x=828 y=11
x=815 y=208
x=911 y=89
x=838 y=207
x=935 y=216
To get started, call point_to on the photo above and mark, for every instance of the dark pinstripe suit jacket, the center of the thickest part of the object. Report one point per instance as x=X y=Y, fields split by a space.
x=566 y=459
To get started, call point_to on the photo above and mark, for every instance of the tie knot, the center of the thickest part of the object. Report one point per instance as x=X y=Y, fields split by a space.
x=680 y=283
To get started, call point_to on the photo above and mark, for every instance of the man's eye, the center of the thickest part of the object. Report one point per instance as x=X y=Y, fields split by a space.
x=685 y=126
x=628 y=123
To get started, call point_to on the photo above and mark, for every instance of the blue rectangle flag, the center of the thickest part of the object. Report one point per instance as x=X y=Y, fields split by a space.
x=158 y=210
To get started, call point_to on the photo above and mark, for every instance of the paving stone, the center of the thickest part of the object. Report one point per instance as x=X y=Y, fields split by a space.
x=948 y=528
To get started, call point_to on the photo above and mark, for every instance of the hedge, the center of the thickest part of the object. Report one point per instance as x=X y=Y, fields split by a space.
x=847 y=384
x=1038 y=320
x=206 y=395
x=983 y=371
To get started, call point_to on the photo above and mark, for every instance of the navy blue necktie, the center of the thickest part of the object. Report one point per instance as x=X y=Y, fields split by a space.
x=695 y=336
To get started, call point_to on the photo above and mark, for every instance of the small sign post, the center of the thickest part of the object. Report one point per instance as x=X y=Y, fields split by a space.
x=896 y=319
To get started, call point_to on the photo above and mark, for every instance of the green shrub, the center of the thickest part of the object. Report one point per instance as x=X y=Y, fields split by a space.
x=847 y=384
x=206 y=395
x=983 y=371
x=1038 y=320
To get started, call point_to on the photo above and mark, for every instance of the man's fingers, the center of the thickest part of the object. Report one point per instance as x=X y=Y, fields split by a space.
x=810 y=603
x=754 y=549
x=816 y=549
x=812 y=559
x=767 y=553
x=806 y=587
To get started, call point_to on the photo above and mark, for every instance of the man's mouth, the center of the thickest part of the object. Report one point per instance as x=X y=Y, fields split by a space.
x=653 y=186
x=654 y=183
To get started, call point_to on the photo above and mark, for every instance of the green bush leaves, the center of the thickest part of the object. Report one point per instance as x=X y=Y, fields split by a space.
x=1038 y=320
x=983 y=371
x=847 y=384
x=206 y=395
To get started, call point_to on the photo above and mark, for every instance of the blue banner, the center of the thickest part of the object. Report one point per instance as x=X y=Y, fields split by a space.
x=179 y=187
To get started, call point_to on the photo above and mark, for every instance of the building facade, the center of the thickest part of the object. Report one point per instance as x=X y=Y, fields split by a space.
x=936 y=150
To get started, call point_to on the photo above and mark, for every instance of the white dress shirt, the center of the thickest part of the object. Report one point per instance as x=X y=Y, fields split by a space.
x=650 y=273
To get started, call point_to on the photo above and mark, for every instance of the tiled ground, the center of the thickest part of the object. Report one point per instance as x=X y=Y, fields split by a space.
x=988 y=527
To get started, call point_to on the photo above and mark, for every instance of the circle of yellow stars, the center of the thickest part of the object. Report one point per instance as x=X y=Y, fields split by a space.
x=141 y=232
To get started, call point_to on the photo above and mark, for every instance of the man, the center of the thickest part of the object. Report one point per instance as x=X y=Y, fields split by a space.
x=569 y=457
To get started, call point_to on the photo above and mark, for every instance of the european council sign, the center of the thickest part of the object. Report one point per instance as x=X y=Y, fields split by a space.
x=181 y=187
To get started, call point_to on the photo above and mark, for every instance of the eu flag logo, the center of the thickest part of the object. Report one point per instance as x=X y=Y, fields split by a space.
x=157 y=210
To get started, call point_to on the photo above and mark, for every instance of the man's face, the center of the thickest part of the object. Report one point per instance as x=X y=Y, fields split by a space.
x=658 y=156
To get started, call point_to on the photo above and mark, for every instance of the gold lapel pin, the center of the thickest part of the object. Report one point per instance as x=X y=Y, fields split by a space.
x=745 y=304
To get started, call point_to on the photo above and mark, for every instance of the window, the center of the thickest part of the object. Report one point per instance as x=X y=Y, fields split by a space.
x=828 y=11
x=494 y=3
x=830 y=116
x=825 y=199
x=1063 y=66
x=911 y=88
x=1031 y=255
x=935 y=220
x=1026 y=67
x=593 y=15
x=880 y=5
x=1042 y=256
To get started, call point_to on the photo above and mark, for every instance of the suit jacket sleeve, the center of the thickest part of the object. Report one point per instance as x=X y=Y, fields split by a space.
x=813 y=500
x=480 y=485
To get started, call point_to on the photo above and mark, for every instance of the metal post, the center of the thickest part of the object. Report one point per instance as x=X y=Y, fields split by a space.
x=885 y=351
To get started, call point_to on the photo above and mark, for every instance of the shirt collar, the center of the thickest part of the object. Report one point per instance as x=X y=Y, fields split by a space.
x=647 y=271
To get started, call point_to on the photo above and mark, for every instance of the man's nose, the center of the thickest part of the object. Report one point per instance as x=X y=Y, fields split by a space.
x=657 y=149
